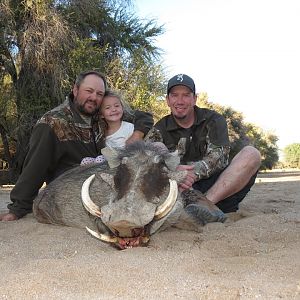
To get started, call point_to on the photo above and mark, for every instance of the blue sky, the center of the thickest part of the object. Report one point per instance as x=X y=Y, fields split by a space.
x=243 y=53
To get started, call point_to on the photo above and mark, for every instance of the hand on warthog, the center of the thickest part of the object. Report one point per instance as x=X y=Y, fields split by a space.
x=136 y=136
x=189 y=179
x=8 y=217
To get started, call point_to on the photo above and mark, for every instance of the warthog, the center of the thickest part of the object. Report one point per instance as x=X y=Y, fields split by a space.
x=123 y=201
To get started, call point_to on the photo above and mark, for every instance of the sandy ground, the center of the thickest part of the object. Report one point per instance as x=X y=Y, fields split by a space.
x=253 y=255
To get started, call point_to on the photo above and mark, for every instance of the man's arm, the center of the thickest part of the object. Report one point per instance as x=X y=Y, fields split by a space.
x=136 y=136
x=143 y=122
x=215 y=159
x=216 y=156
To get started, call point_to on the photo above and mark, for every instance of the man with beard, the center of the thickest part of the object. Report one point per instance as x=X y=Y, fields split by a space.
x=201 y=137
x=65 y=135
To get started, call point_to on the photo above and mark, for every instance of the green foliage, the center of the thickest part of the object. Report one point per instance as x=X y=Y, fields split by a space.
x=141 y=82
x=34 y=40
x=265 y=142
x=7 y=102
x=111 y=25
x=292 y=155
x=236 y=129
x=45 y=44
x=85 y=56
x=7 y=119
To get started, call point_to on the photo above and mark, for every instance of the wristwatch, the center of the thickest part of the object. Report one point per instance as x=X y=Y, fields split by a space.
x=197 y=175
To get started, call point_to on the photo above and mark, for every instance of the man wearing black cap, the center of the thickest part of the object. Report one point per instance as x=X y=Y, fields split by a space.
x=201 y=137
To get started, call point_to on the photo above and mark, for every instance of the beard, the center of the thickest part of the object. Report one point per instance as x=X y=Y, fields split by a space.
x=179 y=117
x=82 y=110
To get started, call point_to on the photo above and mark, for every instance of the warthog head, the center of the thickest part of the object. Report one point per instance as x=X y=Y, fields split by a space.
x=143 y=191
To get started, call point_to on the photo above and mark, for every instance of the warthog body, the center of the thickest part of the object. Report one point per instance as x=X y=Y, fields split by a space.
x=126 y=201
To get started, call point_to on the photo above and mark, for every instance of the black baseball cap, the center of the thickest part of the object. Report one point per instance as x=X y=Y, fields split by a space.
x=182 y=79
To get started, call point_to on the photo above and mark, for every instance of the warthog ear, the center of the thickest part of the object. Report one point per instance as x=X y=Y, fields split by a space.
x=172 y=161
x=111 y=156
x=181 y=146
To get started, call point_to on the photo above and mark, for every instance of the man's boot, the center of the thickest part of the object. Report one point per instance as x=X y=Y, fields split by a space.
x=200 y=208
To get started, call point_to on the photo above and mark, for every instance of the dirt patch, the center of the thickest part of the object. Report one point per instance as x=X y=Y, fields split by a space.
x=253 y=255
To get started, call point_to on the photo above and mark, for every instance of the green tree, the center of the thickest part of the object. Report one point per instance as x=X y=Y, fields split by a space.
x=236 y=128
x=33 y=38
x=265 y=142
x=114 y=32
x=292 y=155
x=44 y=44
x=7 y=117
x=141 y=83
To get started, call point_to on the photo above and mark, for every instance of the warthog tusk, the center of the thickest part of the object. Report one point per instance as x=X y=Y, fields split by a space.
x=166 y=207
x=102 y=237
x=89 y=205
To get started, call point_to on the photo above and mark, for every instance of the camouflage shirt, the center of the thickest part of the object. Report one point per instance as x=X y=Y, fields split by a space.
x=204 y=145
x=59 y=141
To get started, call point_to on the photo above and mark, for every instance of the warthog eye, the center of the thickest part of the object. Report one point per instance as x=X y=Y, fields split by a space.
x=122 y=180
x=154 y=182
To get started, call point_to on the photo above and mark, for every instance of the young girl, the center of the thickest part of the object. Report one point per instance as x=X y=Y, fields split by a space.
x=117 y=131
